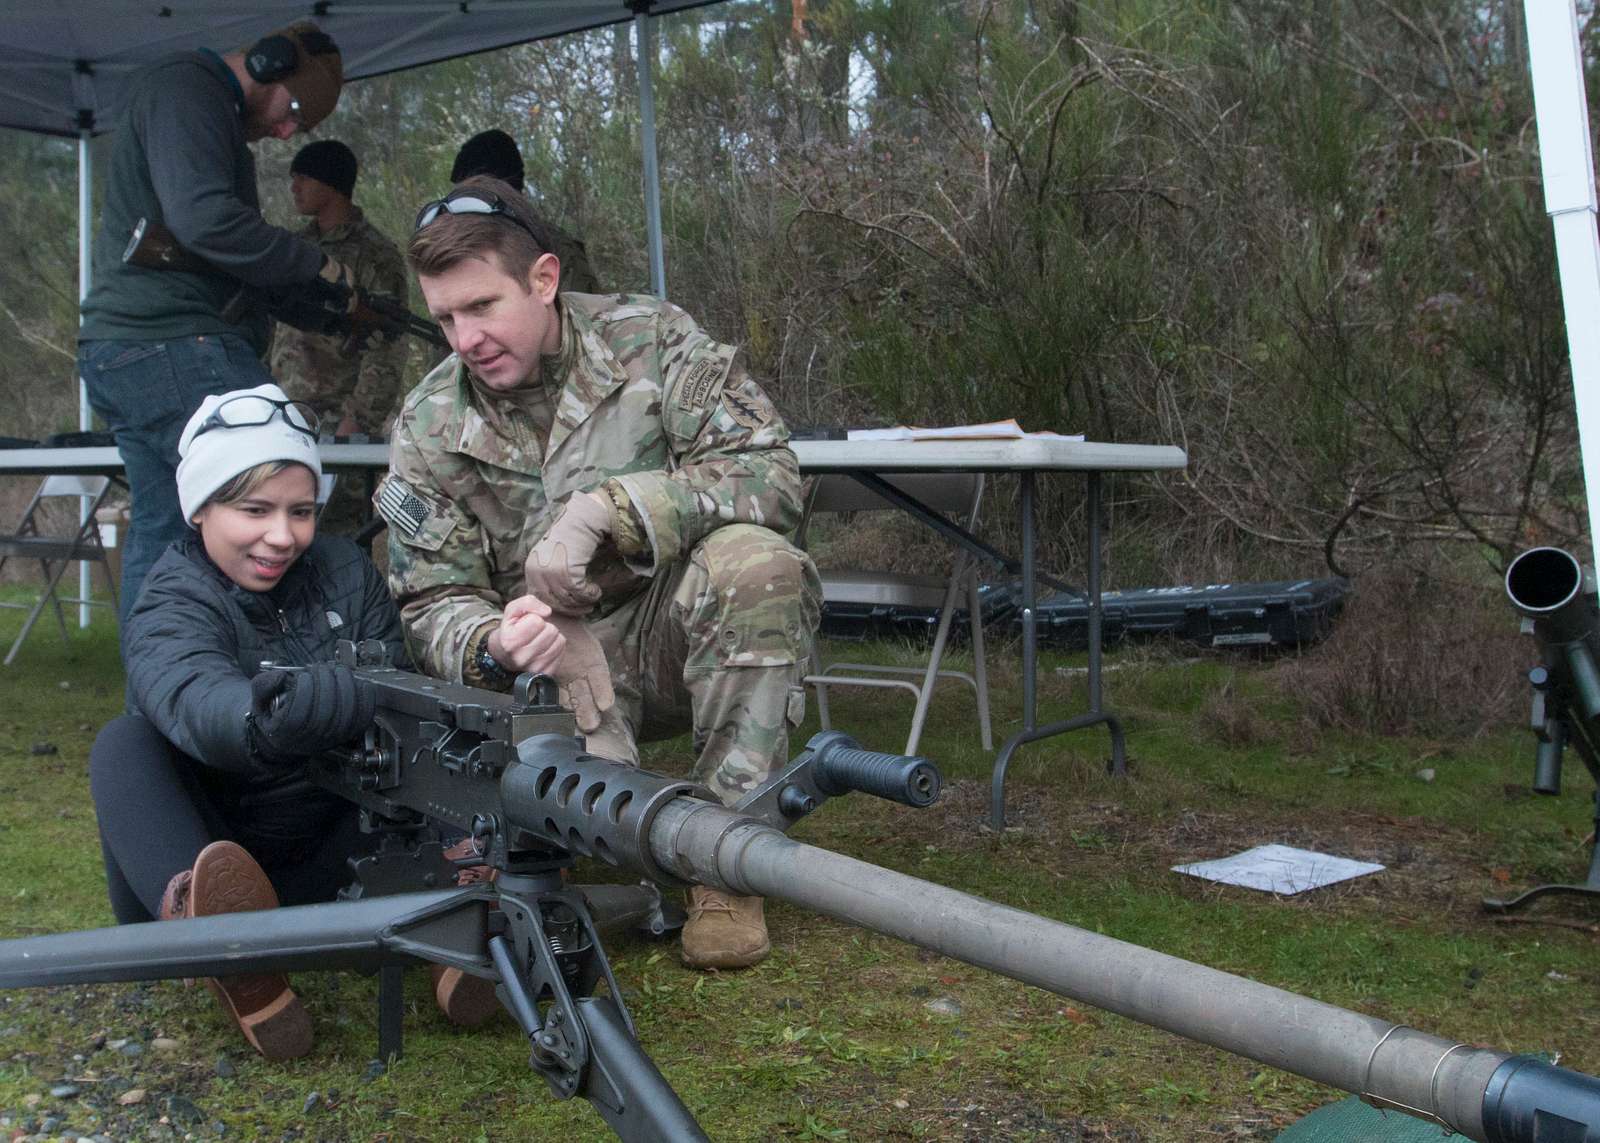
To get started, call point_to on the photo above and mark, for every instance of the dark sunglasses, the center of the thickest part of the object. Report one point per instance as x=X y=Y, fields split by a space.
x=250 y=409
x=471 y=202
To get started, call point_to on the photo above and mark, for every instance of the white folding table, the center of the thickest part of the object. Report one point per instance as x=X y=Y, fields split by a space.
x=866 y=461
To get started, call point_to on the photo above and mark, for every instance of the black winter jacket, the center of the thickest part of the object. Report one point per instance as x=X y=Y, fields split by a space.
x=195 y=639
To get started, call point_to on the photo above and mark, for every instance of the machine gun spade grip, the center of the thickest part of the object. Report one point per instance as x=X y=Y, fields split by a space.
x=839 y=765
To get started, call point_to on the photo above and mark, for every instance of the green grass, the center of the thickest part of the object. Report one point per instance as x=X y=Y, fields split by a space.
x=832 y=1037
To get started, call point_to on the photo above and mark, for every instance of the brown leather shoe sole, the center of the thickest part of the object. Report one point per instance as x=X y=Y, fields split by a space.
x=227 y=880
x=466 y=1000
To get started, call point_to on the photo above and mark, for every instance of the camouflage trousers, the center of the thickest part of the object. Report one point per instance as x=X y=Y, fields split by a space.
x=717 y=645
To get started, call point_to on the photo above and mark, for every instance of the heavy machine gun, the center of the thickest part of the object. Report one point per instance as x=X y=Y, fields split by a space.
x=509 y=770
x=1557 y=599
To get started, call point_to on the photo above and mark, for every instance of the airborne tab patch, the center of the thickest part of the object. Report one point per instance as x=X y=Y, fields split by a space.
x=694 y=393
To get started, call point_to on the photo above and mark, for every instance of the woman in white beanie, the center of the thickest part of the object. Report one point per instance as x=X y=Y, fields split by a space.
x=201 y=801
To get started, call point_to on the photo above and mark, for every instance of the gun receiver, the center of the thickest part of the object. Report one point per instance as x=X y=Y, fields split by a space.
x=509 y=769
x=154 y=247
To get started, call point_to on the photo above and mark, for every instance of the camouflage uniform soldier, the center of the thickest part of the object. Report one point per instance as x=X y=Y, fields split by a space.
x=593 y=488
x=352 y=390
x=494 y=153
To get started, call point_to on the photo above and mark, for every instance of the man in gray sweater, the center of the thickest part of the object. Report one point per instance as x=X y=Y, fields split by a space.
x=155 y=343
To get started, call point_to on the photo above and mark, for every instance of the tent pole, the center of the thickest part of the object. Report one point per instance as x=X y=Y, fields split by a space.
x=85 y=417
x=644 y=58
x=1569 y=198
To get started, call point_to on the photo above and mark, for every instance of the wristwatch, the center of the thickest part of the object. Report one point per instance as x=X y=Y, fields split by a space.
x=488 y=667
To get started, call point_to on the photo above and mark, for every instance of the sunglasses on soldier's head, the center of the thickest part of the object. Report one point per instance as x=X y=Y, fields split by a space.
x=471 y=202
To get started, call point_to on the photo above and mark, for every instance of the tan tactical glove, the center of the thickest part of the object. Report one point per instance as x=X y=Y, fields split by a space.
x=558 y=566
x=582 y=676
x=339 y=282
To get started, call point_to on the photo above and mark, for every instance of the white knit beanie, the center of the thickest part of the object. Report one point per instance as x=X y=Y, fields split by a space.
x=212 y=458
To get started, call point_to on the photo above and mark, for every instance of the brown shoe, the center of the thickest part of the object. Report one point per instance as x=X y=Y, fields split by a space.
x=466 y=875
x=226 y=879
x=724 y=931
x=466 y=1000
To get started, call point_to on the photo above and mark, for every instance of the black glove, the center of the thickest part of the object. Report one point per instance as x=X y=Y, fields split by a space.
x=300 y=712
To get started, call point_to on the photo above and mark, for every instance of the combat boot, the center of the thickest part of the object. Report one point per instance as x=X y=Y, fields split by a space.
x=724 y=931
x=226 y=879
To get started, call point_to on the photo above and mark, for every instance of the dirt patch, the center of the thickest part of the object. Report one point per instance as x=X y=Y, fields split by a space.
x=1430 y=870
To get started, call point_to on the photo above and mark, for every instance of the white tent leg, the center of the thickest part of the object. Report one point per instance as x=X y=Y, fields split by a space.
x=644 y=58
x=85 y=417
x=1569 y=195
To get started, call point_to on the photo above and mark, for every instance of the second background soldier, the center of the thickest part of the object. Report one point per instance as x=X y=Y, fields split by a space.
x=354 y=389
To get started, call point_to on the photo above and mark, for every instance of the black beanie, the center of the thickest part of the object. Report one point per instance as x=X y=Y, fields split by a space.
x=328 y=161
x=490 y=152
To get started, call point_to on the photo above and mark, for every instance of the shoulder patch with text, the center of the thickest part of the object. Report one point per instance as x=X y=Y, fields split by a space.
x=700 y=382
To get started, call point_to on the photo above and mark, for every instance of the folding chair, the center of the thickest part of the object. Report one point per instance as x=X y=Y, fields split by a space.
x=955 y=494
x=56 y=552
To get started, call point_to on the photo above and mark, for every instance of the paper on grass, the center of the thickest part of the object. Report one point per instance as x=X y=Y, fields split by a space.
x=992 y=430
x=1279 y=869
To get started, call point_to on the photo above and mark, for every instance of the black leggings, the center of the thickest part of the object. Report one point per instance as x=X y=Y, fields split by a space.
x=158 y=809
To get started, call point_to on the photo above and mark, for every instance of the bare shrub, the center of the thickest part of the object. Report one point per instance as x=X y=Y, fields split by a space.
x=1234 y=720
x=1419 y=649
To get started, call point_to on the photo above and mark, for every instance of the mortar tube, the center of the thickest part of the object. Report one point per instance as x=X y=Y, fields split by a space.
x=1392 y=1066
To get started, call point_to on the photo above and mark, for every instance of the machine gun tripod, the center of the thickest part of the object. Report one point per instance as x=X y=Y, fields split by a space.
x=442 y=754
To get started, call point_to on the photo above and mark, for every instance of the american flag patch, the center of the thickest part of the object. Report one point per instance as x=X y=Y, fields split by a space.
x=403 y=508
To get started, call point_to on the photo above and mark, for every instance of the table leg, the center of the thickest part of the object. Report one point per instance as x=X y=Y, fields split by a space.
x=1030 y=617
x=1119 y=759
x=1031 y=731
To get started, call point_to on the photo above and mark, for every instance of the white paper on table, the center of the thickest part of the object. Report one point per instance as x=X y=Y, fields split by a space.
x=992 y=430
x=1279 y=869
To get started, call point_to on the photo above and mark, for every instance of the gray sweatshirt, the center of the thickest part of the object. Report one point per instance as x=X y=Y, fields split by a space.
x=179 y=157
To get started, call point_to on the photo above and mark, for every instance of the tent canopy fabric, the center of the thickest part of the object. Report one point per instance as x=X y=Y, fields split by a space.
x=63 y=65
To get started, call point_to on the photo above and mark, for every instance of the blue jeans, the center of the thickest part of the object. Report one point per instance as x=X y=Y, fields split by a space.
x=145 y=391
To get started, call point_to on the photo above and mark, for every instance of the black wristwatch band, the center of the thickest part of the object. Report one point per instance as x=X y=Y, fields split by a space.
x=489 y=667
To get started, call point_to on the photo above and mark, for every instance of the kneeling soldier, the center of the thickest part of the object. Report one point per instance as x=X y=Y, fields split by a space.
x=593 y=488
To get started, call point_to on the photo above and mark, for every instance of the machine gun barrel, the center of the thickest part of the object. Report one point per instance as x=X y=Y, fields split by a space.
x=1480 y=1093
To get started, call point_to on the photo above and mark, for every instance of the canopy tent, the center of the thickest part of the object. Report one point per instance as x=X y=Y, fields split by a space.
x=1561 y=106
x=63 y=66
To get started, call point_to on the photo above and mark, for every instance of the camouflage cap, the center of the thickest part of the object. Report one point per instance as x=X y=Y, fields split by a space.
x=315 y=83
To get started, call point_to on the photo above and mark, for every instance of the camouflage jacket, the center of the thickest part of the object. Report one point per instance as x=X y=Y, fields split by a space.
x=648 y=408
x=313 y=367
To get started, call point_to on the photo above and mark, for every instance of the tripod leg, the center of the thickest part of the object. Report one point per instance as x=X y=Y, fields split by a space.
x=391 y=1012
x=582 y=1044
x=640 y=1103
